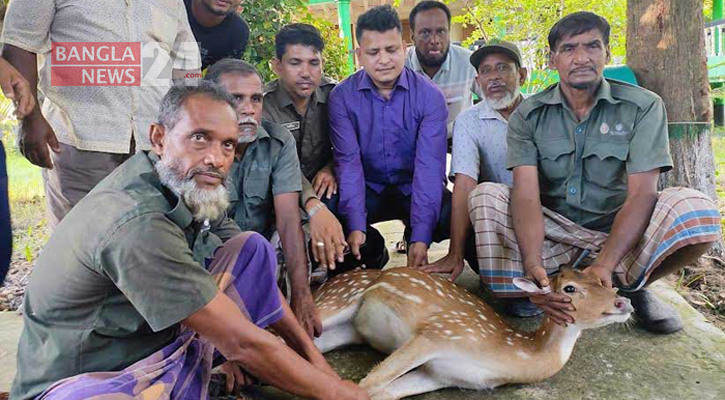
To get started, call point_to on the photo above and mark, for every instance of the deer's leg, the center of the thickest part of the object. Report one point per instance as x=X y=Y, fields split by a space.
x=413 y=354
x=410 y=384
x=337 y=336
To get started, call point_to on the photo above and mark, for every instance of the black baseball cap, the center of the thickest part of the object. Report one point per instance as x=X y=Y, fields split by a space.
x=496 y=46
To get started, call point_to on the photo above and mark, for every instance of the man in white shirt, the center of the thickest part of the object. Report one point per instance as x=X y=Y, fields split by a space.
x=479 y=145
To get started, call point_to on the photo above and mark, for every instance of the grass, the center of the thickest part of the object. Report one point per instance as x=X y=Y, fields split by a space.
x=27 y=207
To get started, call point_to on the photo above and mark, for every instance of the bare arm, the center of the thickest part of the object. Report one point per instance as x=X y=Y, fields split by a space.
x=528 y=218
x=629 y=224
x=35 y=134
x=262 y=354
x=460 y=223
x=286 y=207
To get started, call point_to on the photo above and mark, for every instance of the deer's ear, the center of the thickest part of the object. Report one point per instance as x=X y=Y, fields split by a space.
x=529 y=286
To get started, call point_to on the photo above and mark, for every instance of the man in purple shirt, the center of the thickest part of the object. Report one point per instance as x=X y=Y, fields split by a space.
x=388 y=132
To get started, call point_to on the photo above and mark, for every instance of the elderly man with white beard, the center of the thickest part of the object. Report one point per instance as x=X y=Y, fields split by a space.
x=146 y=284
x=479 y=145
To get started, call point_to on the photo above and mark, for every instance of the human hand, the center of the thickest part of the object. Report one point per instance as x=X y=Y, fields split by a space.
x=602 y=273
x=34 y=137
x=324 y=182
x=417 y=254
x=346 y=390
x=328 y=239
x=236 y=377
x=555 y=305
x=16 y=88
x=304 y=309
x=450 y=264
x=355 y=240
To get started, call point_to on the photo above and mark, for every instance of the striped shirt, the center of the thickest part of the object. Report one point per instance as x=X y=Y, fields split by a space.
x=102 y=118
x=456 y=78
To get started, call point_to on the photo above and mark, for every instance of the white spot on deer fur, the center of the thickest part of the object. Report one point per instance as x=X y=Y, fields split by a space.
x=440 y=293
x=509 y=330
x=523 y=355
x=394 y=290
x=469 y=330
x=518 y=335
x=455 y=338
x=447 y=332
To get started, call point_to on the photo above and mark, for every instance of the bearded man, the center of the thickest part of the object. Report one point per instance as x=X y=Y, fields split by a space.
x=146 y=284
x=479 y=145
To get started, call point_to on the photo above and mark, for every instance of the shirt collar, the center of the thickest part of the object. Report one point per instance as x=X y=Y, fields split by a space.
x=486 y=112
x=366 y=83
x=180 y=213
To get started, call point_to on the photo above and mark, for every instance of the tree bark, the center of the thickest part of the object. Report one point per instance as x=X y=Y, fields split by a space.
x=666 y=51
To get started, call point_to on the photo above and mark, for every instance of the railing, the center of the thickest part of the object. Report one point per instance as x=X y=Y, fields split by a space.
x=715 y=38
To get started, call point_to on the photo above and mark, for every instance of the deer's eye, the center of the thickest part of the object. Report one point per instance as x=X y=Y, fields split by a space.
x=569 y=289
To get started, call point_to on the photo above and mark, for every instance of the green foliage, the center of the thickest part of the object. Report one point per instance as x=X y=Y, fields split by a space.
x=527 y=22
x=267 y=17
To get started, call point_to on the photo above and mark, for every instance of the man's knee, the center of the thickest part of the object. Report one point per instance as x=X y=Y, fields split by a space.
x=255 y=246
x=489 y=190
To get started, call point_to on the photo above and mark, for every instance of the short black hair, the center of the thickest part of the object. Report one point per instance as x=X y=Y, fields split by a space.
x=230 y=65
x=378 y=19
x=425 y=6
x=304 y=34
x=576 y=24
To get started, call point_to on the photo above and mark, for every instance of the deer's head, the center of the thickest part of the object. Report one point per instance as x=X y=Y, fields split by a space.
x=595 y=305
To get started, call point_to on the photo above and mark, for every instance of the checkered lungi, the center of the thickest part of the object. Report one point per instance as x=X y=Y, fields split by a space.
x=681 y=217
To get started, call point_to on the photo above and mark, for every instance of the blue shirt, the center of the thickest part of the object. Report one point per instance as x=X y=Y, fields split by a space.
x=399 y=142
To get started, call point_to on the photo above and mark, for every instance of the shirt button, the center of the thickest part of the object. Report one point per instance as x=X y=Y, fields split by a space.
x=572 y=190
x=579 y=130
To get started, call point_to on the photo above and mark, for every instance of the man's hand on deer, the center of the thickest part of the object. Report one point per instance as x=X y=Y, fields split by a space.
x=555 y=305
x=603 y=273
x=304 y=309
x=417 y=254
x=450 y=264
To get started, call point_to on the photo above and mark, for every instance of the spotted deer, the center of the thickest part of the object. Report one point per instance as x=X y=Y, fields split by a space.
x=439 y=335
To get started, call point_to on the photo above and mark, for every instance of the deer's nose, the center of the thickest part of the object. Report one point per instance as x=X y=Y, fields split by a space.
x=623 y=304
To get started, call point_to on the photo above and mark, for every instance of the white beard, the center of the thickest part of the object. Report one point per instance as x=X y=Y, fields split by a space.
x=204 y=203
x=506 y=101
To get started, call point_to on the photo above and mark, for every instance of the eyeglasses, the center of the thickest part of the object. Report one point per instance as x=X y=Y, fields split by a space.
x=425 y=34
x=503 y=70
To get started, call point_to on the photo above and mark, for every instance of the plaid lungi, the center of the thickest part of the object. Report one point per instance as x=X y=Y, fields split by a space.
x=681 y=217
x=244 y=270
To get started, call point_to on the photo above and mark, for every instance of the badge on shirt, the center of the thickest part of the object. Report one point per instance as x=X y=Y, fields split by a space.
x=619 y=130
x=292 y=126
x=604 y=128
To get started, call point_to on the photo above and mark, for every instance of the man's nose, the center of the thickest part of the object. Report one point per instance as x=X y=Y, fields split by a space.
x=245 y=108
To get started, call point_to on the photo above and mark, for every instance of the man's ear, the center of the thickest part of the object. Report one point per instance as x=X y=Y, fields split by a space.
x=552 y=66
x=529 y=286
x=523 y=74
x=609 y=55
x=157 y=133
x=275 y=65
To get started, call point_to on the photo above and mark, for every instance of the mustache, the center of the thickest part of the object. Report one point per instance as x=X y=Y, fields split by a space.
x=247 y=120
x=581 y=69
x=210 y=171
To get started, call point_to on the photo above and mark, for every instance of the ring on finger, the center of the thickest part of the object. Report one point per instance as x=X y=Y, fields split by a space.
x=320 y=244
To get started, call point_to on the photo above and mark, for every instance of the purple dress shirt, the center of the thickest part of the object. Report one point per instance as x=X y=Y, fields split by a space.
x=400 y=142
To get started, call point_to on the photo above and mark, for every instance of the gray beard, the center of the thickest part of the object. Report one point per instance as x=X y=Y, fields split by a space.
x=205 y=204
x=507 y=101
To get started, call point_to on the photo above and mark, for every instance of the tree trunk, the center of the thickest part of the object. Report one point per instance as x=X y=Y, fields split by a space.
x=666 y=51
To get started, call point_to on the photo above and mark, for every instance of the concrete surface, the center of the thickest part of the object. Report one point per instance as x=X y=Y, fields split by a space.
x=616 y=362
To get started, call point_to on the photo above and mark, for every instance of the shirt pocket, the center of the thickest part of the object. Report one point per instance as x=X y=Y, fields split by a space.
x=555 y=158
x=605 y=162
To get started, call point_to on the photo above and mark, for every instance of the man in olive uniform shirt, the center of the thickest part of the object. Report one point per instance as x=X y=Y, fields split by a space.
x=588 y=152
x=298 y=102
x=129 y=265
x=266 y=181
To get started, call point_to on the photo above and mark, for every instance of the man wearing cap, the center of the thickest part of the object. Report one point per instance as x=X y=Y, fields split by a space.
x=586 y=154
x=479 y=145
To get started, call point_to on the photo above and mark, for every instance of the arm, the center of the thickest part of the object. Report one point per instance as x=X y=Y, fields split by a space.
x=263 y=355
x=23 y=39
x=452 y=263
x=293 y=245
x=629 y=224
x=348 y=169
x=428 y=177
x=16 y=88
